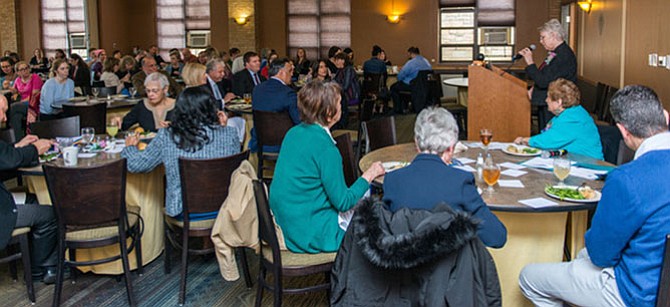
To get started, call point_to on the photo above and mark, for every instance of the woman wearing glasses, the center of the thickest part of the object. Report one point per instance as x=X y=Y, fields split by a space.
x=154 y=111
x=25 y=85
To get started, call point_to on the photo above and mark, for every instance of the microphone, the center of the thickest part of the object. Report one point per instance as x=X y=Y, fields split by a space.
x=518 y=56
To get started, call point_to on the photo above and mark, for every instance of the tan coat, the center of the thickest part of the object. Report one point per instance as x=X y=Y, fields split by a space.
x=236 y=224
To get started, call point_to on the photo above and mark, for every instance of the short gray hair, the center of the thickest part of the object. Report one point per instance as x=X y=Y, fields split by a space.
x=213 y=64
x=435 y=130
x=638 y=108
x=554 y=26
x=157 y=77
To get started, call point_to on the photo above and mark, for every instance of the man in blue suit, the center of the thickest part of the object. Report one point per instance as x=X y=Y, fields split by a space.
x=432 y=179
x=275 y=95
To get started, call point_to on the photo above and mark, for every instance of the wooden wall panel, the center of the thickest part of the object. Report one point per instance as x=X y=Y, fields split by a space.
x=599 y=56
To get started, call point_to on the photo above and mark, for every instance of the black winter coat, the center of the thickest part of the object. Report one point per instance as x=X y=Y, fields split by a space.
x=413 y=258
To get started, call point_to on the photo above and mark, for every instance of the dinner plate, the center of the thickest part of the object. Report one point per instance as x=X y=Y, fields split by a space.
x=393 y=165
x=596 y=198
x=148 y=136
x=78 y=99
x=521 y=153
x=239 y=107
x=236 y=100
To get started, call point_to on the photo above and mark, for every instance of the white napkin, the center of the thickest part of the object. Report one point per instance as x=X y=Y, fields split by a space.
x=465 y=160
x=512 y=165
x=539 y=202
x=510 y=183
x=513 y=173
x=466 y=168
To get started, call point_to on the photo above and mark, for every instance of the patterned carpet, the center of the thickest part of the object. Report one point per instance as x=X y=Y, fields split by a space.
x=205 y=287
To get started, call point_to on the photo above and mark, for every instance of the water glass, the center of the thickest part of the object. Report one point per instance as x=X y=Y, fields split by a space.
x=87 y=135
x=95 y=91
x=561 y=169
x=132 y=92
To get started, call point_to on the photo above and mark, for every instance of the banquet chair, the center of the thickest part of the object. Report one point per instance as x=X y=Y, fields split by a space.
x=377 y=133
x=50 y=129
x=663 y=294
x=99 y=194
x=93 y=115
x=283 y=262
x=106 y=90
x=204 y=187
x=270 y=127
x=345 y=146
x=20 y=236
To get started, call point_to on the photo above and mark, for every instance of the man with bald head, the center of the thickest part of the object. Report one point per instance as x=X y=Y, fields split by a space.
x=149 y=66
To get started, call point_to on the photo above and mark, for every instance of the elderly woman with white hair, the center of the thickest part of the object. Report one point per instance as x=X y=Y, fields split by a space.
x=431 y=178
x=559 y=63
x=153 y=112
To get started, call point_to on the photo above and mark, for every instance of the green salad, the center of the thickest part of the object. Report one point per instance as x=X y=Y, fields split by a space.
x=564 y=193
x=530 y=150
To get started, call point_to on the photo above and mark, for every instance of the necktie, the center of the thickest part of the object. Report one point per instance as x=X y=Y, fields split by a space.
x=256 y=80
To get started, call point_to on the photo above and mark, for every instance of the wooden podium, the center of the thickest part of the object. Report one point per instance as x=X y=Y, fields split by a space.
x=497 y=101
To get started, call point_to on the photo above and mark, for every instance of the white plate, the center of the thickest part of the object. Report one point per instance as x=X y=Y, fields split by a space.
x=148 y=136
x=592 y=200
x=239 y=107
x=521 y=154
x=394 y=165
x=77 y=99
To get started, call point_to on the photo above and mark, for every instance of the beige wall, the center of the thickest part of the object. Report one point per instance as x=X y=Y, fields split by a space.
x=599 y=54
x=29 y=27
x=8 y=26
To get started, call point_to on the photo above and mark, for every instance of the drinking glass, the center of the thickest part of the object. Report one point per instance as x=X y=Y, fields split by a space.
x=247 y=98
x=95 y=91
x=132 y=92
x=561 y=169
x=87 y=135
x=485 y=135
x=491 y=174
x=112 y=129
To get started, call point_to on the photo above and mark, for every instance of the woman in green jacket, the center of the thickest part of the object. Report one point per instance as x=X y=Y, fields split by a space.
x=308 y=189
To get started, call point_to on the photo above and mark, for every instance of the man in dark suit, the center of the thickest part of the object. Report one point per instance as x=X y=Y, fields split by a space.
x=245 y=80
x=432 y=179
x=40 y=219
x=275 y=95
x=560 y=63
x=221 y=88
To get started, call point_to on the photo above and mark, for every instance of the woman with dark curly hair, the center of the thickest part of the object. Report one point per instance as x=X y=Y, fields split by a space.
x=80 y=74
x=198 y=131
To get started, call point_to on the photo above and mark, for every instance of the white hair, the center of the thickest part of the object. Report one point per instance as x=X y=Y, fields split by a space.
x=435 y=130
x=157 y=77
x=553 y=26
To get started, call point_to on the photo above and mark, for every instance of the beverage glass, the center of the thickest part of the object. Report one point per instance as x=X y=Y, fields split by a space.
x=112 y=129
x=247 y=98
x=561 y=170
x=485 y=135
x=96 y=92
x=87 y=135
x=132 y=92
x=491 y=174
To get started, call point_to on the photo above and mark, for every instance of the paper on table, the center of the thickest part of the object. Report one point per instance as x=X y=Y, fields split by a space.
x=498 y=145
x=512 y=165
x=510 y=183
x=539 y=162
x=465 y=160
x=586 y=173
x=19 y=197
x=466 y=168
x=539 y=202
x=513 y=173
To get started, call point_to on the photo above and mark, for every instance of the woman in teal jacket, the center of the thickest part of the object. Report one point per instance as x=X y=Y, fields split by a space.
x=308 y=189
x=572 y=129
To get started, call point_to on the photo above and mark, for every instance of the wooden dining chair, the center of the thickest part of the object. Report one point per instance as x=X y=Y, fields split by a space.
x=92 y=115
x=204 y=187
x=377 y=133
x=50 y=129
x=91 y=211
x=270 y=127
x=663 y=293
x=20 y=237
x=283 y=263
x=346 y=148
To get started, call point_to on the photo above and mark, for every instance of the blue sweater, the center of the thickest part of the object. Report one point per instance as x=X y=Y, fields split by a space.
x=53 y=91
x=629 y=227
x=572 y=130
x=162 y=149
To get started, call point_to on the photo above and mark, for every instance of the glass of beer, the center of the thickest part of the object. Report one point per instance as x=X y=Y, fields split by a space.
x=561 y=169
x=112 y=129
x=485 y=135
x=491 y=174
x=247 y=98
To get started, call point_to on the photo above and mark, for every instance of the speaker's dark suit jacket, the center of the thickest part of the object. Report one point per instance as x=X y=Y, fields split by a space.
x=243 y=83
x=563 y=65
x=428 y=181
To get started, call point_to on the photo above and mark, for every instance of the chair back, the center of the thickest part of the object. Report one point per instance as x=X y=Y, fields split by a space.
x=266 y=230
x=372 y=85
x=422 y=95
x=271 y=127
x=106 y=90
x=346 y=148
x=97 y=193
x=606 y=114
x=379 y=133
x=204 y=183
x=50 y=129
x=663 y=294
x=625 y=154
x=8 y=135
x=601 y=92
x=96 y=83
x=94 y=115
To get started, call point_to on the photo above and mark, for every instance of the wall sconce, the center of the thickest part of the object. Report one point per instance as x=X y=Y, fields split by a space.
x=585 y=6
x=241 y=20
x=393 y=18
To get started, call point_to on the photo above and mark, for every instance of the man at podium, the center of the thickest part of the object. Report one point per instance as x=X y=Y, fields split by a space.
x=559 y=63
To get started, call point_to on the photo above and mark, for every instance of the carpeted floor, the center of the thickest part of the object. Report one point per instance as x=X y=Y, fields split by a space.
x=205 y=287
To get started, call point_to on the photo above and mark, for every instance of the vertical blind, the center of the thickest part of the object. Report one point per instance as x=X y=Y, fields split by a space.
x=59 y=19
x=316 y=25
x=489 y=12
x=175 y=17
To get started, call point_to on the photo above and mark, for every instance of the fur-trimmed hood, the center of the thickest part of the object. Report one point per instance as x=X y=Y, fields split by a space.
x=409 y=238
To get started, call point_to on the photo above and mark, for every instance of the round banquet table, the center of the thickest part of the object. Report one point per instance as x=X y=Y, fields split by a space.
x=461 y=85
x=533 y=235
x=145 y=190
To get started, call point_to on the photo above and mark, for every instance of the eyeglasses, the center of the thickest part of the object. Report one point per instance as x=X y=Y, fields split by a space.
x=6 y=66
x=154 y=90
x=24 y=68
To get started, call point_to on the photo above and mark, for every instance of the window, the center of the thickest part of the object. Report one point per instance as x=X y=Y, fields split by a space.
x=469 y=27
x=179 y=20
x=64 y=26
x=316 y=25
